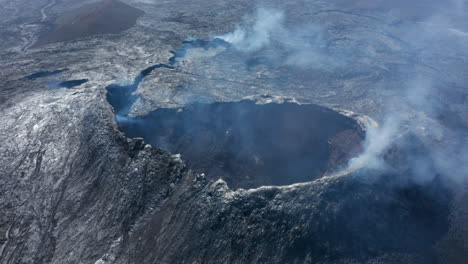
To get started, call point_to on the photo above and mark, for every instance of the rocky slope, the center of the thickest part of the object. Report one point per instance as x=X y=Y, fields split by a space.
x=67 y=194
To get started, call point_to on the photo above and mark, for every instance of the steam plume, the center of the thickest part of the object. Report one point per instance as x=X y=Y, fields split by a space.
x=258 y=35
x=301 y=46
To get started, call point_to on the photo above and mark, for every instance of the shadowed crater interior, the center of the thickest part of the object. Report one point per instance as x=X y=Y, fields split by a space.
x=250 y=145
x=73 y=83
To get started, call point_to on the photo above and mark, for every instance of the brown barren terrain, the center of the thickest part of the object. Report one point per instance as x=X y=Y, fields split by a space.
x=104 y=17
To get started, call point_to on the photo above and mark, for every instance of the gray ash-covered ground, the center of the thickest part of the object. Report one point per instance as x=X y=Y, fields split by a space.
x=75 y=187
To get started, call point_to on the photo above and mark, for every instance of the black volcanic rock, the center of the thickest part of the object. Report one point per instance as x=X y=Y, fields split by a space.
x=334 y=220
x=75 y=189
x=90 y=198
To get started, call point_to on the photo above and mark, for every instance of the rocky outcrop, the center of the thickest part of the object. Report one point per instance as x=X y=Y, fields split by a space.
x=68 y=194
x=331 y=220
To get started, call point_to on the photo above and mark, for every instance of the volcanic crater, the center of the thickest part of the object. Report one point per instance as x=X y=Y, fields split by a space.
x=246 y=143
x=250 y=145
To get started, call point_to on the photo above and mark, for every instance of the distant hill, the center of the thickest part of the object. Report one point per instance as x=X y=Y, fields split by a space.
x=104 y=17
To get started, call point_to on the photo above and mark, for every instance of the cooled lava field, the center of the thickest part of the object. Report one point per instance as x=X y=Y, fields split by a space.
x=233 y=131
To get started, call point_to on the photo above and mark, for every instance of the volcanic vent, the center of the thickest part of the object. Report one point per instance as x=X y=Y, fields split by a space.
x=250 y=145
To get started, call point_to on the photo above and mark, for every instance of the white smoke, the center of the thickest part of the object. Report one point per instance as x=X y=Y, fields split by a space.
x=253 y=38
x=301 y=46
x=450 y=159
x=381 y=138
x=421 y=105
x=305 y=46
x=378 y=140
